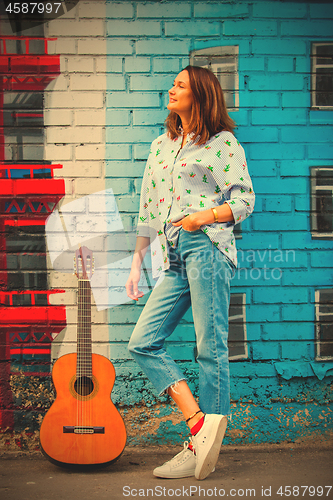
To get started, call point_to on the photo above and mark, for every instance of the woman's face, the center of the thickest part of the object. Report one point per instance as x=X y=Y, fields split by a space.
x=181 y=96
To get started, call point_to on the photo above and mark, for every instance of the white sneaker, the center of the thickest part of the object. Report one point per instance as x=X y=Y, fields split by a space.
x=207 y=443
x=181 y=465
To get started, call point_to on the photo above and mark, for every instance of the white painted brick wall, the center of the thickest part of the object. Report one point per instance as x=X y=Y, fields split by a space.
x=89 y=117
x=57 y=117
x=83 y=64
x=75 y=136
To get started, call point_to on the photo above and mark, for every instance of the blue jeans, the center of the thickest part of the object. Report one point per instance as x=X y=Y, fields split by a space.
x=199 y=275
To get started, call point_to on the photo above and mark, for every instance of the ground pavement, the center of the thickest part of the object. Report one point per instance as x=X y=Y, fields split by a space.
x=272 y=471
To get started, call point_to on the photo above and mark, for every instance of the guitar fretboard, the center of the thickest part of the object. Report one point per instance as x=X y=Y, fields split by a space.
x=84 y=350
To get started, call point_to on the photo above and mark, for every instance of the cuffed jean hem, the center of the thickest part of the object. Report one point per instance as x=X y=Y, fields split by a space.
x=174 y=387
x=160 y=369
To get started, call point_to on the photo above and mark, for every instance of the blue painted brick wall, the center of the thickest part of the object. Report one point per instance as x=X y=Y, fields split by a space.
x=148 y=44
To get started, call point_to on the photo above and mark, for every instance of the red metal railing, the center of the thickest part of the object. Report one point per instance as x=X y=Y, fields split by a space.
x=7 y=169
x=6 y=298
x=26 y=44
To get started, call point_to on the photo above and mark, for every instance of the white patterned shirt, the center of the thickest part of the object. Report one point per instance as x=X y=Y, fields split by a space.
x=181 y=181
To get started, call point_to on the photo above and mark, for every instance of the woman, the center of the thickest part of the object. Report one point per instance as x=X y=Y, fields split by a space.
x=195 y=188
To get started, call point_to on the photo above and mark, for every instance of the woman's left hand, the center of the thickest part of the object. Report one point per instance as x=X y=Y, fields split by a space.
x=190 y=222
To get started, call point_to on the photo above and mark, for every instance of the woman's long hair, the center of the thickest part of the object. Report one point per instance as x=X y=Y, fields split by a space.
x=209 y=112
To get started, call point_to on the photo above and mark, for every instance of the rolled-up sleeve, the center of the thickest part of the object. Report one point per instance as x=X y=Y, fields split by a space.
x=236 y=181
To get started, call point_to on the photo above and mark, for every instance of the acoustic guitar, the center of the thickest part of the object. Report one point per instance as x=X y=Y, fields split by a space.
x=83 y=427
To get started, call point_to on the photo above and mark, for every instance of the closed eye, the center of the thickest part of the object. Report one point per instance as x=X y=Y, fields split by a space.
x=181 y=85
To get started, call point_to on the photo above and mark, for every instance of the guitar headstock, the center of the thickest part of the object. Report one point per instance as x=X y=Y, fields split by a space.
x=84 y=263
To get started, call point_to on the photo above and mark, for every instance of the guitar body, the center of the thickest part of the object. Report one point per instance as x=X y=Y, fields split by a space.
x=83 y=427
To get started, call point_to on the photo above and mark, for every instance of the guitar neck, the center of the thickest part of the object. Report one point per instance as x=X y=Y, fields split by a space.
x=84 y=348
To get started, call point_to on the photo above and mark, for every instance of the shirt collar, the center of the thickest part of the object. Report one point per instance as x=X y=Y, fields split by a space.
x=189 y=136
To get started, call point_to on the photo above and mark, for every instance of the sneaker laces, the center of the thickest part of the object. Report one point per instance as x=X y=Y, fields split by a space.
x=185 y=448
x=191 y=443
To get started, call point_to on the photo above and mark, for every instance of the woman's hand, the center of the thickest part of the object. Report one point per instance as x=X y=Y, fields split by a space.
x=132 y=284
x=190 y=222
x=194 y=221
x=141 y=247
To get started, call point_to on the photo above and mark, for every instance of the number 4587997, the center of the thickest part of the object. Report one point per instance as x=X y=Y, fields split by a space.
x=33 y=8
x=300 y=491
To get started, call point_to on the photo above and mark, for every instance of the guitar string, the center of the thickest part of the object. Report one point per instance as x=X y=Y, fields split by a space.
x=82 y=360
x=89 y=342
x=79 y=355
x=78 y=352
x=83 y=374
x=86 y=358
x=88 y=422
x=89 y=349
x=84 y=354
x=87 y=372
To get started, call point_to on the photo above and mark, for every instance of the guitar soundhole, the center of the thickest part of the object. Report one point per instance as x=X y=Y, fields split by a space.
x=84 y=386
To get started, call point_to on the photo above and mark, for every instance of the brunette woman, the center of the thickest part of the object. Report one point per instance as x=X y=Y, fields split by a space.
x=195 y=188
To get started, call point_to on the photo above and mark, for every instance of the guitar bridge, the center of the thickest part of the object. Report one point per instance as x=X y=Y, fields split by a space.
x=82 y=429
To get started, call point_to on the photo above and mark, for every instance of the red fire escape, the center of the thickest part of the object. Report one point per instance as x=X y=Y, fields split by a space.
x=28 y=194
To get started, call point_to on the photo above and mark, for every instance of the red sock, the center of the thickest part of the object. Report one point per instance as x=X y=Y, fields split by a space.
x=196 y=428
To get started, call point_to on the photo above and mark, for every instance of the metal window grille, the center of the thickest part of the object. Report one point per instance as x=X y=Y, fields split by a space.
x=237 y=327
x=322 y=75
x=322 y=202
x=26 y=259
x=223 y=61
x=23 y=126
x=324 y=324
x=237 y=341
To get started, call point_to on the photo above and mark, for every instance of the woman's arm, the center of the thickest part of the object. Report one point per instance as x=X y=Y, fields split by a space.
x=143 y=232
x=142 y=244
x=141 y=247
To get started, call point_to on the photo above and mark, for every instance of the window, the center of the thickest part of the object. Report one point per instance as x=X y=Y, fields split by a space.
x=23 y=127
x=237 y=327
x=223 y=61
x=324 y=324
x=322 y=202
x=26 y=260
x=322 y=76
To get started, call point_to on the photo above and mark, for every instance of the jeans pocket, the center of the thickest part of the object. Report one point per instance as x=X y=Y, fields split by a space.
x=231 y=266
x=190 y=232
